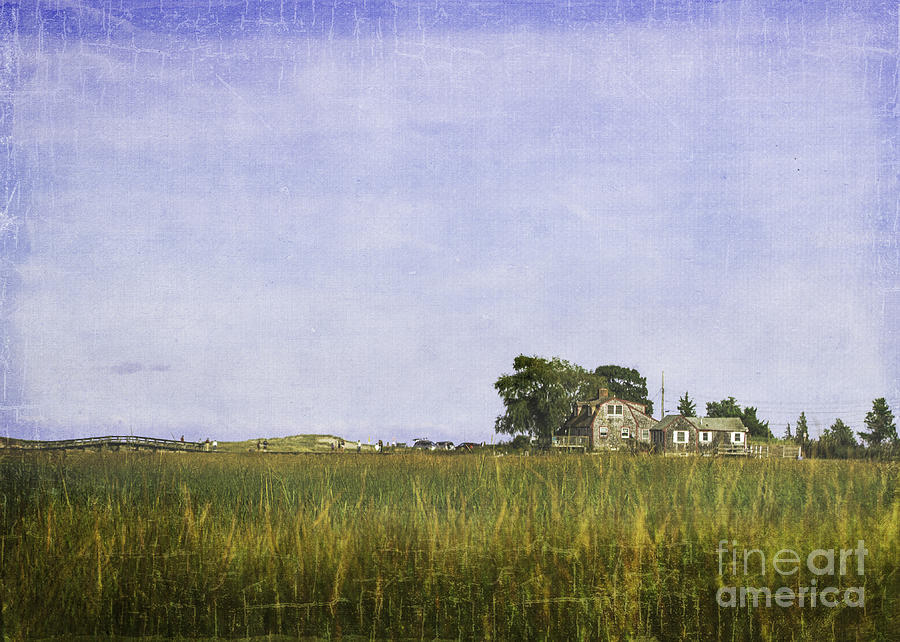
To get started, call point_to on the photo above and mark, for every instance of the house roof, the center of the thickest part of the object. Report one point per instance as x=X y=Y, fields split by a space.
x=634 y=405
x=670 y=421
x=582 y=419
x=719 y=424
x=725 y=424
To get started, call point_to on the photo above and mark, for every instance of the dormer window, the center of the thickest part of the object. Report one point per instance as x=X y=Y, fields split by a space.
x=614 y=410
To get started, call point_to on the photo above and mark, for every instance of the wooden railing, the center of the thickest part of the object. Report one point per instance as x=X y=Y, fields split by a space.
x=732 y=450
x=760 y=450
x=785 y=451
x=577 y=441
x=114 y=441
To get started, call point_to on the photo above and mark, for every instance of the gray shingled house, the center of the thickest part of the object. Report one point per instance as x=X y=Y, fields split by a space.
x=702 y=435
x=605 y=423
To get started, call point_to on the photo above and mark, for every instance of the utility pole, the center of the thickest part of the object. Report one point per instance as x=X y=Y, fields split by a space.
x=662 y=410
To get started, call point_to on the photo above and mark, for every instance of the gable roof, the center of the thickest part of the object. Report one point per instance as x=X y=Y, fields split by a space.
x=672 y=421
x=724 y=424
x=633 y=405
x=586 y=411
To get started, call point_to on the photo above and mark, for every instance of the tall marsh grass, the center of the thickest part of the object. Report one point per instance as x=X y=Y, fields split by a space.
x=428 y=546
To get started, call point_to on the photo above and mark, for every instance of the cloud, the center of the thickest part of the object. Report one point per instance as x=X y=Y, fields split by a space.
x=126 y=368
x=132 y=367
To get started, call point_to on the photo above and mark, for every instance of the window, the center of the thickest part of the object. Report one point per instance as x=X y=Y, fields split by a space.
x=614 y=410
x=705 y=436
x=603 y=431
x=626 y=432
x=737 y=437
x=645 y=434
x=681 y=436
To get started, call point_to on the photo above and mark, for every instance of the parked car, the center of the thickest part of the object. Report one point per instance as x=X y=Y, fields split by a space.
x=444 y=445
x=467 y=446
x=424 y=444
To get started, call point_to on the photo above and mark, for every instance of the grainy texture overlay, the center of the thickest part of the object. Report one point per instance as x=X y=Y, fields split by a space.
x=349 y=217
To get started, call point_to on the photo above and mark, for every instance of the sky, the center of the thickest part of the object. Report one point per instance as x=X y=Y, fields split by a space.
x=233 y=219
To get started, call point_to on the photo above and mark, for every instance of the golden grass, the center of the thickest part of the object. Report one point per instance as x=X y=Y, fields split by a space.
x=425 y=546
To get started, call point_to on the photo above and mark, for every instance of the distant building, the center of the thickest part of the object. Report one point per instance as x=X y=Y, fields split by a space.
x=606 y=423
x=612 y=423
x=702 y=435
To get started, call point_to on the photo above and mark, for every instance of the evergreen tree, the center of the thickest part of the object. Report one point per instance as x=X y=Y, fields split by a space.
x=725 y=408
x=686 y=407
x=880 y=422
x=801 y=430
x=787 y=433
x=839 y=434
x=730 y=408
x=754 y=424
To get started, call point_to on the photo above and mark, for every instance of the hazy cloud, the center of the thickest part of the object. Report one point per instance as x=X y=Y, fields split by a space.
x=127 y=368
x=131 y=367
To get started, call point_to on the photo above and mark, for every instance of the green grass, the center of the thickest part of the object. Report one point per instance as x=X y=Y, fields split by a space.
x=423 y=546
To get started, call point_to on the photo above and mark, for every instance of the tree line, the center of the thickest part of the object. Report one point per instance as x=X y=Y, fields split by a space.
x=539 y=395
x=839 y=441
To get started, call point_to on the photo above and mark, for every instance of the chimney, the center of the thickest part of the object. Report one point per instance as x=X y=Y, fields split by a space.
x=602 y=393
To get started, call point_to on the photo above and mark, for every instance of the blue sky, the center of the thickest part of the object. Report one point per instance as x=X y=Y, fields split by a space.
x=260 y=218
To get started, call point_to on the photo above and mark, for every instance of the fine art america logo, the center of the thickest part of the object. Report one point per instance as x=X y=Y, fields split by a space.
x=825 y=565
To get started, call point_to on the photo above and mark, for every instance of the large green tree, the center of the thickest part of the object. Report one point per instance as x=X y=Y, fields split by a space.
x=725 y=408
x=756 y=426
x=880 y=424
x=539 y=395
x=838 y=434
x=686 y=407
x=730 y=408
x=626 y=383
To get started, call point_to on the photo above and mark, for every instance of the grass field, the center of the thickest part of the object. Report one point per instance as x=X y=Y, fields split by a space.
x=430 y=546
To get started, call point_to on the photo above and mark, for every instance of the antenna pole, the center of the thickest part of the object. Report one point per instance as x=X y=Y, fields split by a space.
x=662 y=410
